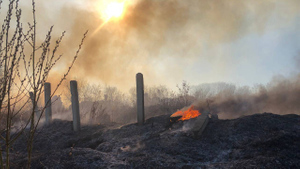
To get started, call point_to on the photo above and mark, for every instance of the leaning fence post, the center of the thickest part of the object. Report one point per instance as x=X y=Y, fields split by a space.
x=75 y=105
x=140 y=98
x=48 y=111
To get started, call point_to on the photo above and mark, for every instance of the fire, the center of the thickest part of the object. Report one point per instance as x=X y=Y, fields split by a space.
x=188 y=114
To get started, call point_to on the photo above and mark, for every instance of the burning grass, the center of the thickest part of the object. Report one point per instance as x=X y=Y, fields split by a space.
x=190 y=113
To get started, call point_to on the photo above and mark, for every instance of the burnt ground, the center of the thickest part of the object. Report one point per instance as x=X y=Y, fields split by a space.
x=257 y=141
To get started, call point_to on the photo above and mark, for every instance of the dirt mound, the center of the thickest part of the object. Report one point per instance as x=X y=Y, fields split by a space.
x=262 y=140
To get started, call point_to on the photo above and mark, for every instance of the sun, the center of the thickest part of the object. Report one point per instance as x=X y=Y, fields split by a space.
x=110 y=10
x=114 y=10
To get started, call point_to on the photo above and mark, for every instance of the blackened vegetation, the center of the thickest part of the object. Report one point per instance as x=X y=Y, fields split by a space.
x=174 y=119
x=262 y=140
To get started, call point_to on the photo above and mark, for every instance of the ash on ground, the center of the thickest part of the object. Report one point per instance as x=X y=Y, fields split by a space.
x=257 y=141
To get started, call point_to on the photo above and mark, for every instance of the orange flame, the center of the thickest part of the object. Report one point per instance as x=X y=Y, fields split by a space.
x=188 y=114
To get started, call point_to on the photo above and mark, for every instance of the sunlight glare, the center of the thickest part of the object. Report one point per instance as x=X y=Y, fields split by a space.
x=111 y=10
x=114 y=9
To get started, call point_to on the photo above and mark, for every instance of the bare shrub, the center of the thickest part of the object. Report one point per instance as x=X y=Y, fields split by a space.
x=25 y=66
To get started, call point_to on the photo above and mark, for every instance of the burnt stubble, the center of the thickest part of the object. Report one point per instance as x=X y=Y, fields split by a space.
x=261 y=140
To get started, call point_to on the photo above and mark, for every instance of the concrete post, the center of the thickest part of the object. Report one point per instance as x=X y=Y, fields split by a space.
x=140 y=98
x=48 y=110
x=36 y=109
x=75 y=105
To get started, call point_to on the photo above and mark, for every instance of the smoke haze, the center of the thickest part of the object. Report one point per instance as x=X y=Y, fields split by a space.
x=159 y=38
x=280 y=96
x=197 y=40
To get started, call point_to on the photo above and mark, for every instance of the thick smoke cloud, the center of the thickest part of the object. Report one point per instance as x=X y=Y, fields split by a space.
x=153 y=33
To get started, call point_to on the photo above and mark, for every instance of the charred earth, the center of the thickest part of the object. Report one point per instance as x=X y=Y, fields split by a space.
x=257 y=141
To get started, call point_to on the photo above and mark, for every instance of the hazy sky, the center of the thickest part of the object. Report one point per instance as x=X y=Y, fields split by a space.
x=242 y=42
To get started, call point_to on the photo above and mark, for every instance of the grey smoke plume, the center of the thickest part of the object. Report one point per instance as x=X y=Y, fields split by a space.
x=153 y=33
x=280 y=96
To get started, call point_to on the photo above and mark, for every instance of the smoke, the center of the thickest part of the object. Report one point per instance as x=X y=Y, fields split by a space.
x=153 y=36
x=280 y=96
x=133 y=148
